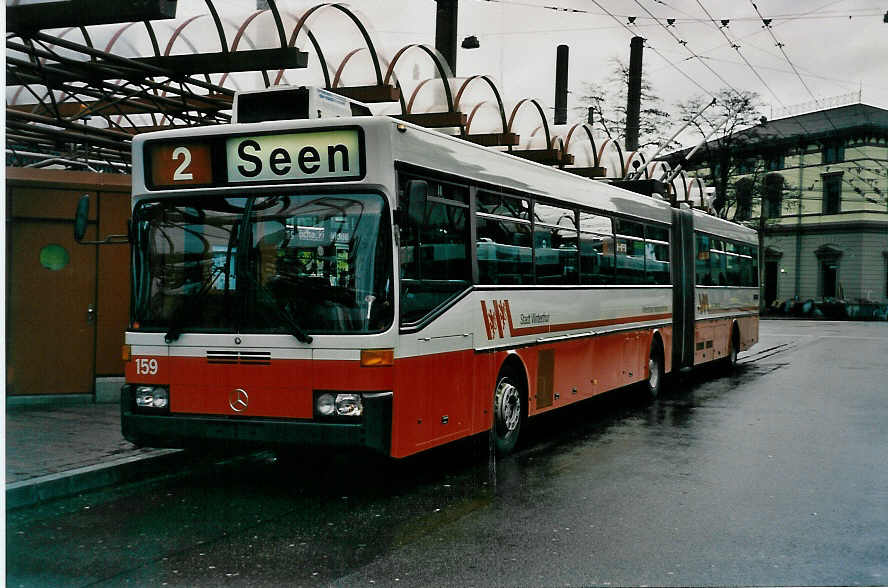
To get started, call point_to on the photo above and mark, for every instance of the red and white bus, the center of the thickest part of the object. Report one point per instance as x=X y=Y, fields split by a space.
x=364 y=282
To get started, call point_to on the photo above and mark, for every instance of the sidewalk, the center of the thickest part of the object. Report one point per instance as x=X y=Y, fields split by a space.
x=60 y=451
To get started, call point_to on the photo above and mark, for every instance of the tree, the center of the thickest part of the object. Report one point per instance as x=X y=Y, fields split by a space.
x=607 y=102
x=727 y=154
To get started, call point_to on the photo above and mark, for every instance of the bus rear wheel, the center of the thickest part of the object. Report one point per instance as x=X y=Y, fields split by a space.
x=654 y=380
x=733 y=347
x=508 y=412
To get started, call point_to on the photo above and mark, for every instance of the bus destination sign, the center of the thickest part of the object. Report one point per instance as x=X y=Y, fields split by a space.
x=322 y=155
x=332 y=154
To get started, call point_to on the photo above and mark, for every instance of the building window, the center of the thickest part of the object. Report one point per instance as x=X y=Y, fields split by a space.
x=774 y=161
x=833 y=152
x=832 y=193
x=828 y=257
x=773 y=195
x=743 y=190
x=885 y=255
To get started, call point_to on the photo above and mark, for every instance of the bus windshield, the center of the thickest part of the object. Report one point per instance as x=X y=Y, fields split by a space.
x=298 y=263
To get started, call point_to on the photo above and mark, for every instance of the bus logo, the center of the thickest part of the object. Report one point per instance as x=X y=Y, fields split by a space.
x=238 y=400
x=496 y=317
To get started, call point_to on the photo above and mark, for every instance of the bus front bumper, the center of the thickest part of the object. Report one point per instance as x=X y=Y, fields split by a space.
x=187 y=430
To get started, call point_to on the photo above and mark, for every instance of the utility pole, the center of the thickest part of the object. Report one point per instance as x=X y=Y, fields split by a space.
x=633 y=96
x=445 y=31
x=561 y=57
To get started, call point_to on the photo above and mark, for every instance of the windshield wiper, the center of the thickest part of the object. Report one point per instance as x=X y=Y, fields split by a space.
x=283 y=313
x=177 y=322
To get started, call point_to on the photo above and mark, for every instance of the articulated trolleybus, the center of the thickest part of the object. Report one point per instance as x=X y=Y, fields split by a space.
x=361 y=282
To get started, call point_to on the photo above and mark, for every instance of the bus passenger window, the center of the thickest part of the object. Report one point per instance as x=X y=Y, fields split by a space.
x=630 y=261
x=596 y=259
x=504 y=251
x=704 y=271
x=555 y=245
x=717 y=262
x=656 y=262
x=747 y=275
x=596 y=249
x=435 y=261
x=732 y=264
x=501 y=205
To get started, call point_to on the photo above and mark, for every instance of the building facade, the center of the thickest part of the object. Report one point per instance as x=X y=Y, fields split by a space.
x=815 y=185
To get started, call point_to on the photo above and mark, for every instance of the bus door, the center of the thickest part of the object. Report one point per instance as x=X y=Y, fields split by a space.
x=434 y=369
x=683 y=295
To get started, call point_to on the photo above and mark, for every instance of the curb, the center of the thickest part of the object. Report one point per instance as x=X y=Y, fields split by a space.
x=71 y=482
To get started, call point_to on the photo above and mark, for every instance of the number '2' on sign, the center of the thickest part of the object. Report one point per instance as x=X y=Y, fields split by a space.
x=178 y=164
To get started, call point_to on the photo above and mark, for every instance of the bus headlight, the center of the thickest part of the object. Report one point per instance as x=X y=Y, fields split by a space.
x=349 y=405
x=332 y=404
x=156 y=397
x=326 y=405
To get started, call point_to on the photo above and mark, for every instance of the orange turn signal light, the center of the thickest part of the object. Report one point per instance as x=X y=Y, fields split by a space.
x=377 y=357
x=126 y=352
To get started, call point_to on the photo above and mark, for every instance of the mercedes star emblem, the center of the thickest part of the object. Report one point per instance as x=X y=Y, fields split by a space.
x=238 y=400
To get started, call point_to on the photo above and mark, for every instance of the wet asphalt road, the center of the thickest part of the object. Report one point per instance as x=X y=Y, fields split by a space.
x=776 y=474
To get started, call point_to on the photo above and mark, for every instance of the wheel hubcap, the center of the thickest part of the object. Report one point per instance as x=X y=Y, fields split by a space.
x=509 y=405
x=654 y=369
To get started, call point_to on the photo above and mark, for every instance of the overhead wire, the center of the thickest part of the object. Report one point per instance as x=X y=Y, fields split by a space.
x=736 y=48
x=649 y=46
x=684 y=43
x=767 y=25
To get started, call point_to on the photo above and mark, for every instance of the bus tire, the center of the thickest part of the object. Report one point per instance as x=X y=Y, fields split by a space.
x=654 y=382
x=733 y=348
x=508 y=411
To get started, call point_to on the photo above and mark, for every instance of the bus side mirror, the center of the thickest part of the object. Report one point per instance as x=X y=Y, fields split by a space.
x=417 y=194
x=81 y=221
x=81 y=218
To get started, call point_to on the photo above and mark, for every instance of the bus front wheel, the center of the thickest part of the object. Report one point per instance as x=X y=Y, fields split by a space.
x=508 y=412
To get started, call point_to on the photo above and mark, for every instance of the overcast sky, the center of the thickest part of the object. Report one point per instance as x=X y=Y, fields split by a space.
x=834 y=55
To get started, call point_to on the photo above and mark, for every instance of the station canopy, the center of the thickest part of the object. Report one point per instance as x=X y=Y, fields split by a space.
x=84 y=76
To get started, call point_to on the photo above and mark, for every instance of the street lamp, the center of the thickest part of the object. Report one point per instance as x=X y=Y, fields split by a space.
x=470 y=42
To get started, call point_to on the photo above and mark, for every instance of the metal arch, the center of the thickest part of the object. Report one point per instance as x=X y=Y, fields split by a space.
x=542 y=117
x=153 y=38
x=219 y=30
x=499 y=100
x=462 y=129
x=588 y=129
x=684 y=184
x=628 y=161
x=619 y=151
x=180 y=31
x=415 y=93
x=558 y=139
x=354 y=19
x=699 y=184
x=318 y=51
x=116 y=36
x=342 y=65
x=443 y=72
x=241 y=32
x=475 y=109
x=278 y=23
x=87 y=38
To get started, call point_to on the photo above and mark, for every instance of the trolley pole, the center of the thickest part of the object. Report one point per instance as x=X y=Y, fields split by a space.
x=633 y=96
